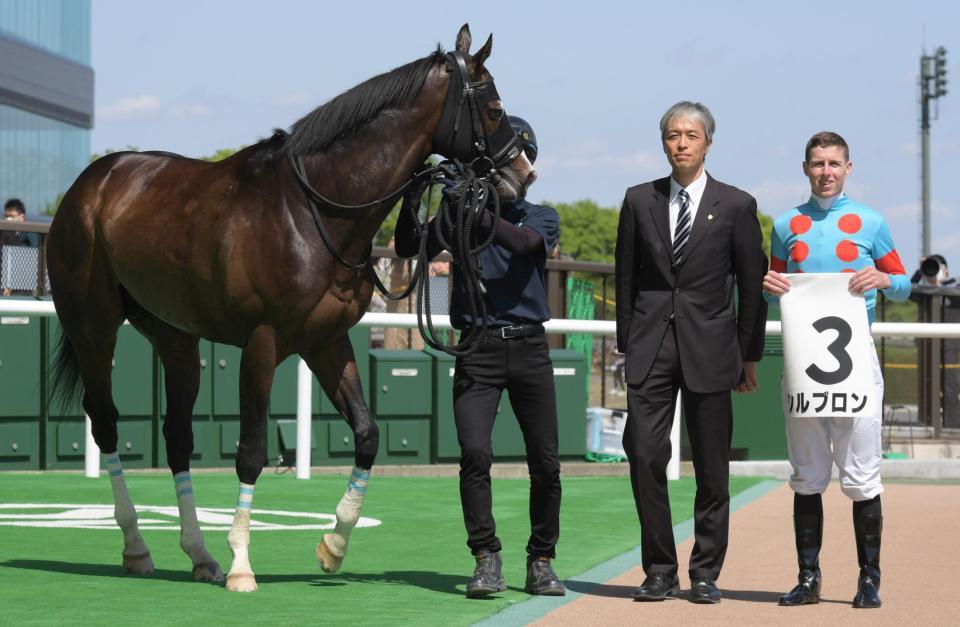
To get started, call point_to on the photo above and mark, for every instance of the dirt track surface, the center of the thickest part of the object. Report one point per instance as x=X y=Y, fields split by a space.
x=921 y=547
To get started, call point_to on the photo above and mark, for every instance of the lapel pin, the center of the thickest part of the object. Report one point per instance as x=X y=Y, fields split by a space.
x=709 y=216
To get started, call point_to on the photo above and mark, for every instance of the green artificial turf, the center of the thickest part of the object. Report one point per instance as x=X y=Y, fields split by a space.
x=409 y=570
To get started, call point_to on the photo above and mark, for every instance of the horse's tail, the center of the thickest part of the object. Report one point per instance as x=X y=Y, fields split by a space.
x=66 y=388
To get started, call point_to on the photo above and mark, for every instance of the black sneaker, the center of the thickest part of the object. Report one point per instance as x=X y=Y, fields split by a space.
x=487 y=576
x=541 y=579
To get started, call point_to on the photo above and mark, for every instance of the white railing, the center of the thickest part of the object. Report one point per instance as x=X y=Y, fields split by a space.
x=374 y=319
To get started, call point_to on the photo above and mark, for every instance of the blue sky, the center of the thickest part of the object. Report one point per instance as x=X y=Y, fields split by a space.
x=593 y=79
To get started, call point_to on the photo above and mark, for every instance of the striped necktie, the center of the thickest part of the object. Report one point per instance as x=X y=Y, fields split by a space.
x=682 y=233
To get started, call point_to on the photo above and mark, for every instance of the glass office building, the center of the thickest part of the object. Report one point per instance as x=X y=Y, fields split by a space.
x=46 y=98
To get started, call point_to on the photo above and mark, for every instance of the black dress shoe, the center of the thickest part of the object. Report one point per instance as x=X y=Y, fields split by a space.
x=806 y=592
x=657 y=587
x=704 y=590
x=487 y=576
x=541 y=579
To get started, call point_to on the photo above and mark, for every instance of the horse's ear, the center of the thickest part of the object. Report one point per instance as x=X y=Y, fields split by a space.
x=483 y=53
x=464 y=40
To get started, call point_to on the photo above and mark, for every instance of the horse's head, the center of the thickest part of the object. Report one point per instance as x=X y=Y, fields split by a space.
x=474 y=127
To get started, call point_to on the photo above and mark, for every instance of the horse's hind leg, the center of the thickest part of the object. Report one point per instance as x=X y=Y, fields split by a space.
x=336 y=369
x=181 y=367
x=91 y=329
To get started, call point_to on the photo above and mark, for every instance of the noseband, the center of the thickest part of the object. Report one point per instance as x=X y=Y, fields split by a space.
x=462 y=110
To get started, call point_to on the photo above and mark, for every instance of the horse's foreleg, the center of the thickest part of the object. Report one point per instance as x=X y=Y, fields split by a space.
x=257 y=365
x=241 y=578
x=333 y=546
x=336 y=369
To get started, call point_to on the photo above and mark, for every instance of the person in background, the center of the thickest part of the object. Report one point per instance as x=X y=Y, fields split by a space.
x=934 y=272
x=14 y=211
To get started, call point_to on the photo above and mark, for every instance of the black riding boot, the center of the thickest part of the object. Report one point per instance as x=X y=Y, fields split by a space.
x=868 y=526
x=808 y=530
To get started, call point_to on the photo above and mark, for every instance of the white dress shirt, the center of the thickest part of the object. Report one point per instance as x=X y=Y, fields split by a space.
x=695 y=191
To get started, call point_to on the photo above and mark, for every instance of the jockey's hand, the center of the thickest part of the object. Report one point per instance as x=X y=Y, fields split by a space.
x=775 y=284
x=867 y=279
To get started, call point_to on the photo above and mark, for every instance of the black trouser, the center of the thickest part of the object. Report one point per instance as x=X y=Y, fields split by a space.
x=646 y=441
x=522 y=366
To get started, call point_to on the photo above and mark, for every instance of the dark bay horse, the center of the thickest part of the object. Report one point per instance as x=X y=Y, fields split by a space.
x=231 y=252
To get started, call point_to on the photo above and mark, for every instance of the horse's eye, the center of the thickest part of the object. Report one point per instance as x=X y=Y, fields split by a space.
x=495 y=114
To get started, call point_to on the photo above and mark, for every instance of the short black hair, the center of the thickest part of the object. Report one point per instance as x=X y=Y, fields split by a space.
x=16 y=204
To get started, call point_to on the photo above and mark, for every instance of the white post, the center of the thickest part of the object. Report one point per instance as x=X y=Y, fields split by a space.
x=673 y=468
x=304 y=408
x=91 y=452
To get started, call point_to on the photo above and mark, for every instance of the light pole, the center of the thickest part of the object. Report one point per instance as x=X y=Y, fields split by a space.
x=933 y=84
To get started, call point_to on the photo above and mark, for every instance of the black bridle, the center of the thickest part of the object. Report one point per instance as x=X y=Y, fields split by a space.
x=462 y=110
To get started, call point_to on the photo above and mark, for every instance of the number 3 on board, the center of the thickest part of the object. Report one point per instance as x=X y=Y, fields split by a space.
x=837 y=348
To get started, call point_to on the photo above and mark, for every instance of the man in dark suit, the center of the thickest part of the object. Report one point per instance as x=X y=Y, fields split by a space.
x=683 y=243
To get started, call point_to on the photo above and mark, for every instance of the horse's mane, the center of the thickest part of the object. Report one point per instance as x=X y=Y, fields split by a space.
x=355 y=107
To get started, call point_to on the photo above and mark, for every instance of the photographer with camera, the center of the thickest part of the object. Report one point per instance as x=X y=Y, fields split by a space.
x=934 y=272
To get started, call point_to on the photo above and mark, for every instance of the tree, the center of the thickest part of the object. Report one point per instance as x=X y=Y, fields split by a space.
x=52 y=206
x=766 y=224
x=223 y=153
x=588 y=232
x=108 y=151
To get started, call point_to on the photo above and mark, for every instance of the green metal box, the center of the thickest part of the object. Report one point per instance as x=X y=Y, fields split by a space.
x=404 y=440
x=20 y=392
x=570 y=375
x=133 y=390
x=758 y=424
x=401 y=395
x=401 y=383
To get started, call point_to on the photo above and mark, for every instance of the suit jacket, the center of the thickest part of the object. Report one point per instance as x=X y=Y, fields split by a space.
x=724 y=250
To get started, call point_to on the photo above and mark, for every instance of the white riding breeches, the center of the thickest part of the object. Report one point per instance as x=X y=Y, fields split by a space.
x=854 y=444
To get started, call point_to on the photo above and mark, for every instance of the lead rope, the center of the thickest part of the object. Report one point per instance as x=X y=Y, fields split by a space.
x=461 y=221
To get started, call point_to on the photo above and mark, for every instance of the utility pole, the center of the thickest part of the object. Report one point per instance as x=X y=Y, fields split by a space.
x=933 y=85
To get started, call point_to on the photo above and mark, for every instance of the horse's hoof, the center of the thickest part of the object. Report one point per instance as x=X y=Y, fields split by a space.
x=241 y=582
x=207 y=571
x=140 y=564
x=329 y=562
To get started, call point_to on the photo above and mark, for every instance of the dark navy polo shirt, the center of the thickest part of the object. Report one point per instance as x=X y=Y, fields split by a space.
x=516 y=292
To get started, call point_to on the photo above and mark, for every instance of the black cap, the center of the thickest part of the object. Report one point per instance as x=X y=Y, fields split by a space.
x=527 y=137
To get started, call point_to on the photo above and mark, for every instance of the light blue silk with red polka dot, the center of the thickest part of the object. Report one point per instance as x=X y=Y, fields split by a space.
x=845 y=238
